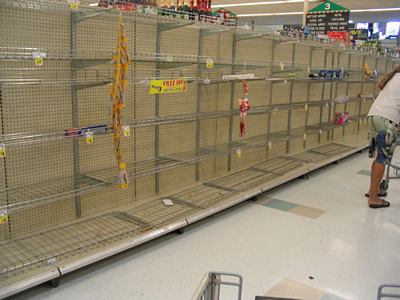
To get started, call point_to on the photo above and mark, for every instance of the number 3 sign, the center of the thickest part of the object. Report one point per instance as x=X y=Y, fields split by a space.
x=327 y=6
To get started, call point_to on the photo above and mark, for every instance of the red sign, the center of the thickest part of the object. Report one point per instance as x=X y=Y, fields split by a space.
x=339 y=35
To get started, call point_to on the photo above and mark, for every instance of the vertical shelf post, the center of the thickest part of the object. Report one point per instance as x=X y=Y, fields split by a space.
x=232 y=106
x=75 y=122
x=321 y=111
x=198 y=106
x=157 y=111
x=289 y=125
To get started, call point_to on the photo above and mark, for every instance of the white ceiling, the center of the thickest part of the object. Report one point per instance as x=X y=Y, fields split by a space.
x=296 y=7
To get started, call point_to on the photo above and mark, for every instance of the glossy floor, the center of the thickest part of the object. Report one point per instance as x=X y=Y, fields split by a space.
x=317 y=232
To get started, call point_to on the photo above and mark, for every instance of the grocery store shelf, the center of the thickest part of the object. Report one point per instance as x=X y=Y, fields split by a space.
x=36 y=258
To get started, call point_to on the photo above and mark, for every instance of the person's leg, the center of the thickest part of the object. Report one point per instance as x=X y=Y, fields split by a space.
x=377 y=171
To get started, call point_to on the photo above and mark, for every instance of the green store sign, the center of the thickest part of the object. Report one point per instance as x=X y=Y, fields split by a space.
x=328 y=7
x=328 y=17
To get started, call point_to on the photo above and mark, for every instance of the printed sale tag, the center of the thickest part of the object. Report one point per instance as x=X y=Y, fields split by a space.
x=38 y=57
x=2 y=151
x=126 y=130
x=3 y=216
x=239 y=153
x=167 y=86
x=74 y=4
x=209 y=63
x=89 y=137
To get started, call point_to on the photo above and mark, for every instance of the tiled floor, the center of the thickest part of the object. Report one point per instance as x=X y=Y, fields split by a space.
x=321 y=229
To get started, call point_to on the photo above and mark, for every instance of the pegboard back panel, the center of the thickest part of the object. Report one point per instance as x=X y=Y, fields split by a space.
x=210 y=45
x=26 y=221
x=329 y=91
x=368 y=88
x=224 y=96
x=312 y=140
x=296 y=145
x=225 y=45
x=284 y=52
x=316 y=91
x=24 y=27
x=301 y=92
x=102 y=31
x=314 y=115
x=111 y=197
x=298 y=118
x=180 y=41
x=247 y=158
x=254 y=49
x=179 y=104
x=303 y=53
x=280 y=93
x=258 y=93
x=257 y=125
x=354 y=89
x=178 y=177
x=177 y=138
x=277 y=149
x=365 y=106
x=36 y=109
x=39 y=162
x=279 y=121
x=208 y=130
x=209 y=100
x=145 y=36
x=318 y=58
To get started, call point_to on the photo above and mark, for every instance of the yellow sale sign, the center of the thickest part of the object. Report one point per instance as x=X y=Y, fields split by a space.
x=167 y=86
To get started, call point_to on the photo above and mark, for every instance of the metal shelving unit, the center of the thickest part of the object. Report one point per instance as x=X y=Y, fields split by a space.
x=58 y=191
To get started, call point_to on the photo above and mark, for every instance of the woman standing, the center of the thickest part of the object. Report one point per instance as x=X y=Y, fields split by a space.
x=384 y=119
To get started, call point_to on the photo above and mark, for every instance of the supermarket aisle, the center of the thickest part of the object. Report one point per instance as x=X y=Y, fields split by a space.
x=320 y=228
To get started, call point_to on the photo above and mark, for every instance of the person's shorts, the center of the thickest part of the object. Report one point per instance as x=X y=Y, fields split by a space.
x=383 y=136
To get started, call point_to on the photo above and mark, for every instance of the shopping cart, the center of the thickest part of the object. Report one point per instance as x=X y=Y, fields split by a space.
x=392 y=169
x=210 y=287
x=382 y=294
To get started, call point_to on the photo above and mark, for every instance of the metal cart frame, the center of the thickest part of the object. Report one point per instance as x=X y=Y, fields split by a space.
x=209 y=289
x=382 y=295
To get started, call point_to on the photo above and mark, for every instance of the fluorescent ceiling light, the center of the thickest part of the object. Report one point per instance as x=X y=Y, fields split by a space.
x=300 y=12
x=272 y=14
x=260 y=3
x=93 y=4
x=375 y=9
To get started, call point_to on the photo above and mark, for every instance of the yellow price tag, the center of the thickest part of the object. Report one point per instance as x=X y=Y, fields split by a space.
x=210 y=63
x=239 y=153
x=74 y=5
x=126 y=130
x=38 y=61
x=3 y=217
x=38 y=56
x=89 y=137
x=3 y=152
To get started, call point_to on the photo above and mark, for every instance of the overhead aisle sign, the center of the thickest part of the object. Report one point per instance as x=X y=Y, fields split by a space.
x=328 y=17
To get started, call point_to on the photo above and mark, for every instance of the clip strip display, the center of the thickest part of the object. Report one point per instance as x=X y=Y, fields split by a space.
x=118 y=93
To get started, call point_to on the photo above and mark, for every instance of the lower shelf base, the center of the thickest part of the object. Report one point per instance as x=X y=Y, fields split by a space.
x=42 y=257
